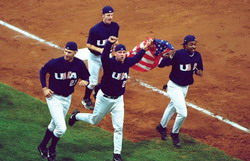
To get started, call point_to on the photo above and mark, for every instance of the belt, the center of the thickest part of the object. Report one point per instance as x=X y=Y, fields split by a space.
x=110 y=97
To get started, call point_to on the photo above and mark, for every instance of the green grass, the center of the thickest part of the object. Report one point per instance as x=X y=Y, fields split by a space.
x=24 y=119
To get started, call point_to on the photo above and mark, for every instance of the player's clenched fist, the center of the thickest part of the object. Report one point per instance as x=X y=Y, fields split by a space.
x=148 y=43
x=83 y=83
x=112 y=39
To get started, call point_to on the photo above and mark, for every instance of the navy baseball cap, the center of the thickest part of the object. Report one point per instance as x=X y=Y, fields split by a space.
x=107 y=9
x=71 y=46
x=188 y=38
x=120 y=47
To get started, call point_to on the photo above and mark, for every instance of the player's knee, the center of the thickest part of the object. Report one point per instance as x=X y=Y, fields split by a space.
x=184 y=115
x=118 y=130
x=95 y=119
x=61 y=131
x=51 y=127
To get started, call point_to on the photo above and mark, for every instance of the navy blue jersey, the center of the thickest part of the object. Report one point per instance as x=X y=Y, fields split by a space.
x=63 y=75
x=99 y=34
x=115 y=74
x=184 y=66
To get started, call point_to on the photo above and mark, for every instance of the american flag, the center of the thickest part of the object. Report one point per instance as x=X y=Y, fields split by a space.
x=152 y=56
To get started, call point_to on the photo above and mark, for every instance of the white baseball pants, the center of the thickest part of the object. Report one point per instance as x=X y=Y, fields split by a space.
x=177 y=104
x=94 y=66
x=103 y=106
x=58 y=108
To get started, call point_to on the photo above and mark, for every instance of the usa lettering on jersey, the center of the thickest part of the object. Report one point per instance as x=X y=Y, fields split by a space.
x=187 y=67
x=101 y=42
x=120 y=76
x=63 y=76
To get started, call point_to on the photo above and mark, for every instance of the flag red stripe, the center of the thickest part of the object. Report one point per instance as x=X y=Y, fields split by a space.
x=149 y=57
x=139 y=68
x=146 y=64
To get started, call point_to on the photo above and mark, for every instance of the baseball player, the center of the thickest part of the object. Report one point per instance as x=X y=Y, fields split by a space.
x=64 y=74
x=97 y=38
x=185 y=62
x=112 y=87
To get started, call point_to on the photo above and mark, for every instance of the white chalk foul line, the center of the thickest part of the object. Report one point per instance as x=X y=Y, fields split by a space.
x=139 y=81
x=29 y=35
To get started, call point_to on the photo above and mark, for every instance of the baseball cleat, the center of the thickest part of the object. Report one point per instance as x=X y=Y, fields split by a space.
x=87 y=103
x=162 y=131
x=51 y=155
x=43 y=152
x=176 y=140
x=72 y=118
x=117 y=157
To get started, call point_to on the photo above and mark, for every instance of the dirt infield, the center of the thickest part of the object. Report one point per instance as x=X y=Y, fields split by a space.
x=221 y=27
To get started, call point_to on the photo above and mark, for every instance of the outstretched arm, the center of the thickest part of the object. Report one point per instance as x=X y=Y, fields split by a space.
x=167 y=59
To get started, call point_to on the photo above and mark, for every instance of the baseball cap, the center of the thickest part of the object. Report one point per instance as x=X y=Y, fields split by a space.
x=120 y=47
x=188 y=38
x=71 y=46
x=107 y=9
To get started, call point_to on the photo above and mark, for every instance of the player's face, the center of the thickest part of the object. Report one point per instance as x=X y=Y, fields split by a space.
x=69 y=55
x=191 y=46
x=107 y=18
x=120 y=55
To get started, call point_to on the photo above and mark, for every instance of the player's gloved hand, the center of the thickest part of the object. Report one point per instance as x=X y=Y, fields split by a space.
x=47 y=92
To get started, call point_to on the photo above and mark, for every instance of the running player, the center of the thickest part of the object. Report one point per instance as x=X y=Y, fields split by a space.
x=185 y=62
x=112 y=87
x=97 y=38
x=64 y=74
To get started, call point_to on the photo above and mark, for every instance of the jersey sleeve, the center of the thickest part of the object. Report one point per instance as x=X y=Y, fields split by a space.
x=84 y=75
x=91 y=37
x=118 y=28
x=106 y=52
x=200 y=64
x=136 y=58
x=165 y=62
x=43 y=71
